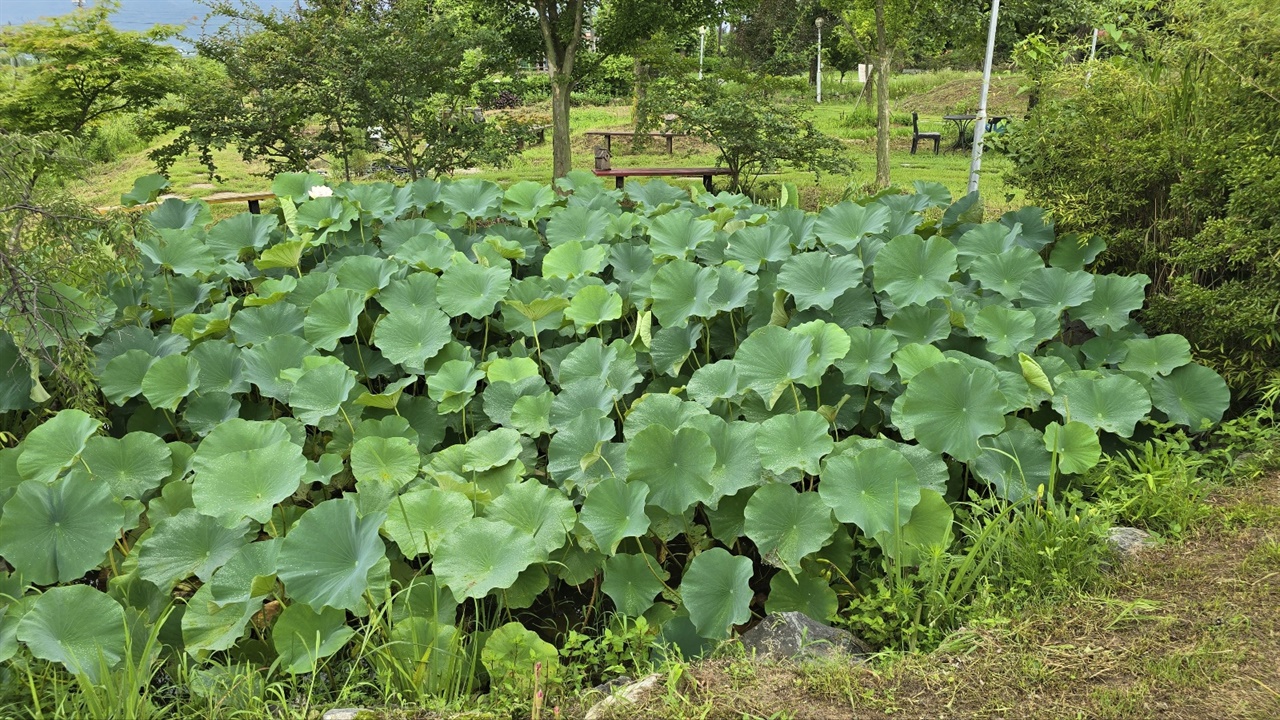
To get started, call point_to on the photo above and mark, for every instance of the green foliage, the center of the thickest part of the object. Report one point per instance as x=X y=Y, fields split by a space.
x=1168 y=153
x=1157 y=486
x=752 y=134
x=385 y=393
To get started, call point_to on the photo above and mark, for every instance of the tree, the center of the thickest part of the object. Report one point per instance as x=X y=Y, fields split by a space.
x=753 y=133
x=84 y=71
x=560 y=22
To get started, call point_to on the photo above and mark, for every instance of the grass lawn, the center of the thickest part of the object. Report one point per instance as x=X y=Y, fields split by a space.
x=842 y=115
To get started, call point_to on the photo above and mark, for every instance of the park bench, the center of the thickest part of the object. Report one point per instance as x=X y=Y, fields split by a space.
x=609 y=135
x=604 y=169
x=219 y=198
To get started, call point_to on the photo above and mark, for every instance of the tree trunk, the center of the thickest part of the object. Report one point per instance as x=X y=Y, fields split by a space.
x=883 y=59
x=562 y=161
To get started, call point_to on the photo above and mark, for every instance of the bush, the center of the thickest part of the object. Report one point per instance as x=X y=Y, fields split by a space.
x=1169 y=154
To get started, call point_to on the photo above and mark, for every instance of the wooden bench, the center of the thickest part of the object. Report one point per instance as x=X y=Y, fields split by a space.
x=609 y=135
x=603 y=169
x=219 y=198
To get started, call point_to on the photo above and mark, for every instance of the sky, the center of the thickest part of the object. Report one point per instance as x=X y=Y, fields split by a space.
x=133 y=14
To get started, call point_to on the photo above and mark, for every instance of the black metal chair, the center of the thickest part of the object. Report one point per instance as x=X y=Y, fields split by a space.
x=917 y=136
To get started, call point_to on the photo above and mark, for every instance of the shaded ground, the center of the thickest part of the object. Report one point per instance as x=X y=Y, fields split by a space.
x=1190 y=631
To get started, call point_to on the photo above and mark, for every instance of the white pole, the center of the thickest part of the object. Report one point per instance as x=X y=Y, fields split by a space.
x=702 y=44
x=1093 y=51
x=980 y=124
x=818 y=22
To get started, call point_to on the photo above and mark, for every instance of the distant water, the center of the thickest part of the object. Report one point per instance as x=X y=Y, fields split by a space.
x=132 y=15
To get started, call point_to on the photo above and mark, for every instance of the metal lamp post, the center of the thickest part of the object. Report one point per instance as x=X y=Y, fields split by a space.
x=702 y=46
x=980 y=124
x=818 y=23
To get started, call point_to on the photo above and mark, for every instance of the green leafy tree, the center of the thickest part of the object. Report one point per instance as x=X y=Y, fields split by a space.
x=83 y=71
x=753 y=134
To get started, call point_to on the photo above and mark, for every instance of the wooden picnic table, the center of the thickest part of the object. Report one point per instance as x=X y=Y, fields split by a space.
x=253 y=199
x=621 y=174
x=964 y=122
x=608 y=136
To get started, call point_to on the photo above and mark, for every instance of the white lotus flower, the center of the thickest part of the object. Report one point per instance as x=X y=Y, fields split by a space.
x=320 y=191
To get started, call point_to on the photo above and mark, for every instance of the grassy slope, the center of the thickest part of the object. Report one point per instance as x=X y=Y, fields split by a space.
x=1191 y=631
x=843 y=116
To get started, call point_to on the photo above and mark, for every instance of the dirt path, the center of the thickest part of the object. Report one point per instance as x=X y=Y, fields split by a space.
x=1190 y=631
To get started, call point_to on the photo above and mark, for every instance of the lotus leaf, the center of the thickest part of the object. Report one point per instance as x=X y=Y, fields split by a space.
x=52 y=446
x=1192 y=395
x=797 y=441
x=674 y=465
x=56 y=532
x=950 y=408
x=787 y=525
x=187 y=544
x=1114 y=403
x=683 y=290
x=1075 y=445
x=482 y=555
x=874 y=489
x=716 y=592
x=77 y=626
x=303 y=637
x=913 y=271
x=816 y=279
x=331 y=558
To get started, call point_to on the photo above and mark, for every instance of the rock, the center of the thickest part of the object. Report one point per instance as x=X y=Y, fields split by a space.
x=636 y=692
x=792 y=635
x=1129 y=542
x=349 y=714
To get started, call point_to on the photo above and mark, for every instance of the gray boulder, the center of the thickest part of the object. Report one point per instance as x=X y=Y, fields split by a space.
x=630 y=694
x=1128 y=542
x=349 y=714
x=794 y=635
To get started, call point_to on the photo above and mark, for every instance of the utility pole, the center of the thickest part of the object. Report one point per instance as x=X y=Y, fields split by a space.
x=818 y=23
x=980 y=124
x=702 y=46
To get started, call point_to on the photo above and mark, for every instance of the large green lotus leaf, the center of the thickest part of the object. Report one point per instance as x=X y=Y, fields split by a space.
x=389 y=397
x=913 y=271
x=412 y=294
x=577 y=446
x=430 y=648
x=1159 y=355
x=177 y=251
x=787 y=525
x=1114 y=297
x=477 y=199
x=512 y=654
x=1006 y=330
x=410 y=339
x=655 y=193
x=282 y=255
x=122 y=377
x=333 y=316
x=614 y=510
x=577 y=222
x=931 y=469
x=573 y=259
x=670 y=347
x=331 y=557
x=419 y=520
x=234 y=582
x=132 y=466
x=482 y=555
x=984 y=240
x=632 y=581
x=921 y=324
x=737 y=459
x=466 y=288
x=717 y=593
x=846 y=224
x=806 y=594
x=221 y=367
x=1005 y=272
x=256 y=325
x=229 y=238
x=296 y=186
x=593 y=305
x=232 y=484
x=682 y=290
x=390 y=461
x=208 y=627
x=57 y=532
x=928 y=529
x=717 y=381
x=874 y=489
x=675 y=466
x=453 y=385
x=428 y=251
x=666 y=410
x=77 y=626
x=187 y=544
x=303 y=637
x=169 y=380
x=830 y=343
x=758 y=245
x=1015 y=462
x=735 y=288
x=611 y=366
x=320 y=390
x=490 y=449
x=951 y=408
x=678 y=234
x=1192 y=395
x=911 y=359
x=365 y=274
x=546 y=515
x=798 y=440
x=55 y=444
x=1032 y=227
x=1057 y=289
x=1114 y=403
x=264 y=363
x=771 y=359
x=1072 y=252
x=870 y=351
x=145 y=190
x=529 y=200
x=816 y=279
x=1075 y=444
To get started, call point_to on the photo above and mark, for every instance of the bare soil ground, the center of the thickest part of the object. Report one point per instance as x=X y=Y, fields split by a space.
x=1191 y=630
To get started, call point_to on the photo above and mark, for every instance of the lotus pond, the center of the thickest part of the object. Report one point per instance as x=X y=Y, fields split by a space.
x=446 y=424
